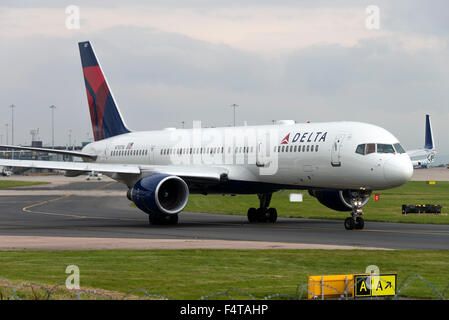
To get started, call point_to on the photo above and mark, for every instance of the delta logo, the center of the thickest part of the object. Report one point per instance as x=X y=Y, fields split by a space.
x=285 y=140
x=306 y=137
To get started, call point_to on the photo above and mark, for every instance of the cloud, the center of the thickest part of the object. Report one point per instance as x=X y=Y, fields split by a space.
x=166 y=65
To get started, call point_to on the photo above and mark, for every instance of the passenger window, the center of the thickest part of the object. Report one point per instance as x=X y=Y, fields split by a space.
x=370 y=148
x=311 y=148
x=360 y=149
x=307 y=148
x=385 y=148
x=316 y=148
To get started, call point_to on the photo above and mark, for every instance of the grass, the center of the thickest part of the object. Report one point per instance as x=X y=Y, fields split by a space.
x=190 y=274
x=388 y=209
x=13 y=183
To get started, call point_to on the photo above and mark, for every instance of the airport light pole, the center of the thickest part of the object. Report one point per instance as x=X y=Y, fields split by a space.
x=52 y=107
x=7 y=129
x=234 y=106
x=12 y=123
x=70 y=138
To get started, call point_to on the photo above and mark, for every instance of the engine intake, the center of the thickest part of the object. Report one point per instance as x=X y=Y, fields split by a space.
x=160 y=194
x=340 y=200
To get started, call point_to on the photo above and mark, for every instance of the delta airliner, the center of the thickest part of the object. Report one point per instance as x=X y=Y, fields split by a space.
x=339 y=163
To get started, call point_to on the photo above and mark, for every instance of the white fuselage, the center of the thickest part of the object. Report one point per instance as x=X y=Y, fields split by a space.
x=297 y=156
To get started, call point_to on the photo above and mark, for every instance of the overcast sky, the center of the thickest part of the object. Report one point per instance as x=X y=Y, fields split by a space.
x=174 y=61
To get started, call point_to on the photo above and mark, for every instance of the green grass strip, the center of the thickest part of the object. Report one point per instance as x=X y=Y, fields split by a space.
x=190 y=274
x=388 y=209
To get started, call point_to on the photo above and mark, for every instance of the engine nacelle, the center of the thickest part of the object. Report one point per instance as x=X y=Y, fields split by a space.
x=160 y=194
x=340 y=200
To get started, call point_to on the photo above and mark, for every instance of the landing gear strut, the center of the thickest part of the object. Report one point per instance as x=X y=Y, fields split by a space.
x=355 y=221
x=263 y=213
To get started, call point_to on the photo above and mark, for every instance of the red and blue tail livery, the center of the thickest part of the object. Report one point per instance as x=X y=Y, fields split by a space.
x=105 y=116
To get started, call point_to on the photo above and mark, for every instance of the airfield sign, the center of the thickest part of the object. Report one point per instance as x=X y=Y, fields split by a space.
x=374 y=285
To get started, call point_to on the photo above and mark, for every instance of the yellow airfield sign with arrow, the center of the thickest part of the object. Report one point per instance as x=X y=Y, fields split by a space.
x=374 y=285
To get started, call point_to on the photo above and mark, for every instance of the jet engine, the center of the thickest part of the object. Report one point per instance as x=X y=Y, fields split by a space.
x=160 y=194
x=340 y=200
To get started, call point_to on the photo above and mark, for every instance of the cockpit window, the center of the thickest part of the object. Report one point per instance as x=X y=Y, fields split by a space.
x=370 y=148
x=360 y=149
x=385 y=148
x=399 y=148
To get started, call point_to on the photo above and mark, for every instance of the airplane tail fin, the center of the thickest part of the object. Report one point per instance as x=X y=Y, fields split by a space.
x=106 y=118
x=428 y=143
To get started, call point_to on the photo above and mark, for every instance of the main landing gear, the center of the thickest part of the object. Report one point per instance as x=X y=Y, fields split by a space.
x=263 y=213
x=355 y=221
x=166 y=219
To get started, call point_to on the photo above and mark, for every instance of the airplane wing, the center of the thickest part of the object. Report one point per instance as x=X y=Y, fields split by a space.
x=189 y=173
x=84 y=156
x=72 y=166
x=418 y=153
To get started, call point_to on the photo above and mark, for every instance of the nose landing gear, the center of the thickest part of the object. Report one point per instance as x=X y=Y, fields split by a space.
x=263 y=213
x=355 y=221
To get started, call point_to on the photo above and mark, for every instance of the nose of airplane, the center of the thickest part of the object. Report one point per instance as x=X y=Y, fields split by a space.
x=398 y=170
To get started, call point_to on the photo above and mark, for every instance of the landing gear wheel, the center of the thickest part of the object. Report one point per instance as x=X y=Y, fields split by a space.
x=349 y=223
x=252 y=215
x=171 y=219
x=272 y=215
x=261 y=215
x=359 y=223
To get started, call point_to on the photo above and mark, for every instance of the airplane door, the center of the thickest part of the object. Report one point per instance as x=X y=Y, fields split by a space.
x=336 y=150
x=151 y=154
x=260 y=162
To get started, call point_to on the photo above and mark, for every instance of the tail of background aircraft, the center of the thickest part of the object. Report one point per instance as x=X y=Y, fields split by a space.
x=428 y=143
x=106 y=118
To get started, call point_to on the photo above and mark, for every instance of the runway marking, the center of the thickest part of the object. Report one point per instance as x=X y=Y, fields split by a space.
x=28 y=209
x=107 y=185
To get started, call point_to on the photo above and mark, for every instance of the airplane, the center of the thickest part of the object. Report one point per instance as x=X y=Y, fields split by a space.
x=421 y=158
x=339 y=163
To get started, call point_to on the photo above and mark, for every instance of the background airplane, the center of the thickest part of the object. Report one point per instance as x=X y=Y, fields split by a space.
x=424 y=156
x=339 y=163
